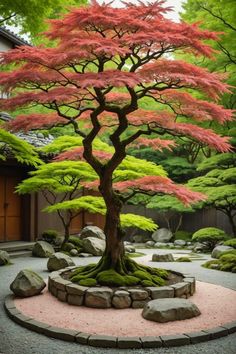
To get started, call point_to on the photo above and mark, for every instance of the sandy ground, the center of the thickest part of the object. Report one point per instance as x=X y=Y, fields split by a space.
x=216 y=303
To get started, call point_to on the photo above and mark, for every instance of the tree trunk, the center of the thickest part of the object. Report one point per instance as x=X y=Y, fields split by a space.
x=232 y=223
x=114 y=235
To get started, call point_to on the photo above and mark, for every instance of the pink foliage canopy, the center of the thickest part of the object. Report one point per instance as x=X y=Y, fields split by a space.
x=104 y=63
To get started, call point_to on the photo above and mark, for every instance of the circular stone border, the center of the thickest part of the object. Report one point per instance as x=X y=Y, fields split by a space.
x=106 y=297
x=112 y=341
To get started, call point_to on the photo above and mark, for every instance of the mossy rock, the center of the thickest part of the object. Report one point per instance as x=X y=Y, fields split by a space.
x=111 y=278
x=88 y=282
x=67 y=247
x=231 y=243
x=147 y=283
x=183 y=259
x=208 y=264
x=142 y=275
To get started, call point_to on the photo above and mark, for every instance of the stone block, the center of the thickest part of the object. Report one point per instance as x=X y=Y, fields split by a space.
x=192 y=284
x=129 y=343
x=36 y=326
x=76 y=289
x=62 y=295
x=181 y=289
x=198 y=337
x=121 y=299
x=61 y=333
x=98 y=297
x=75 y=299
x=61 y=283
x=139 y=304
x=151 y=342
x=175 y=340
x=102 y=341
x=161 y=292
x=82 y=338
x=231 y=327
x=138 y=294
x=217 y=332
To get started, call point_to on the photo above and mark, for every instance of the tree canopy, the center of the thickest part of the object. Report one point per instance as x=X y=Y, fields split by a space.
x=30 y=15
x=106 y=62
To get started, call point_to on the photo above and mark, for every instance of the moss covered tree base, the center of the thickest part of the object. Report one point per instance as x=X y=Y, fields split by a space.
x=126 y=273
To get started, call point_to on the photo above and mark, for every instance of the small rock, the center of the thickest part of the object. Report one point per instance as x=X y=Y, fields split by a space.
x=168 y=257
x=58 y=261
x=162 y=235
x=179 y=243
x=74 y=252
x=27 y=283
x=42 y=249
x=165 y=310
x=83 y=255
x=4 y=258
x=218 y=250
x=150 y=243
x=92 y=231
x=129 y=249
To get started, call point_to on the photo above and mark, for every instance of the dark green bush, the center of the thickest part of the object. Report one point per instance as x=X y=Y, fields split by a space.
x=183 y=235
x=76 y=241
x=209 y=236
x=49 y=235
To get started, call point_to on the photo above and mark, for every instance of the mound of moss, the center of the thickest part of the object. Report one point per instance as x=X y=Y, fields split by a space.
x=226 y=262
x=231 y=243
x=111 y=278
x=88 y=282
x=183 y=259
x=209 y=236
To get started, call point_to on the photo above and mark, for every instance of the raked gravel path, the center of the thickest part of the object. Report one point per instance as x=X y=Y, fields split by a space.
x=15 y=339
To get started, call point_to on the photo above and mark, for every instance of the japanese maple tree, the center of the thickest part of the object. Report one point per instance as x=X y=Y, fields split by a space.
x=104 y=63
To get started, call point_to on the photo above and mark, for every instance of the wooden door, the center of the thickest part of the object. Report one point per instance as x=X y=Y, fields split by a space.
x=10 y=209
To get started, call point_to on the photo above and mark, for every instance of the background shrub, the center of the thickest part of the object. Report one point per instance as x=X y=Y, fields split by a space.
x=209 y=236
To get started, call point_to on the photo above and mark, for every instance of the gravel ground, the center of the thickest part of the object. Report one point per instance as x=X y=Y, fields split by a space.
x=15 y=339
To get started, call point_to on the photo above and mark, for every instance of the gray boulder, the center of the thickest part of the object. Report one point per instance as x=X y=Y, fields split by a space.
x=180 y=243
x=4 y=258
x=58 y=261
x=162 y=235
x=94 y=245
x=168 y=257
x=92 y=231
x=219 y=250
x=171 y=309
x=42 y=249
x=27 y=283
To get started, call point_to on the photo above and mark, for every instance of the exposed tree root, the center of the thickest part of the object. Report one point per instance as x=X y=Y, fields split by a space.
x=126 y=273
